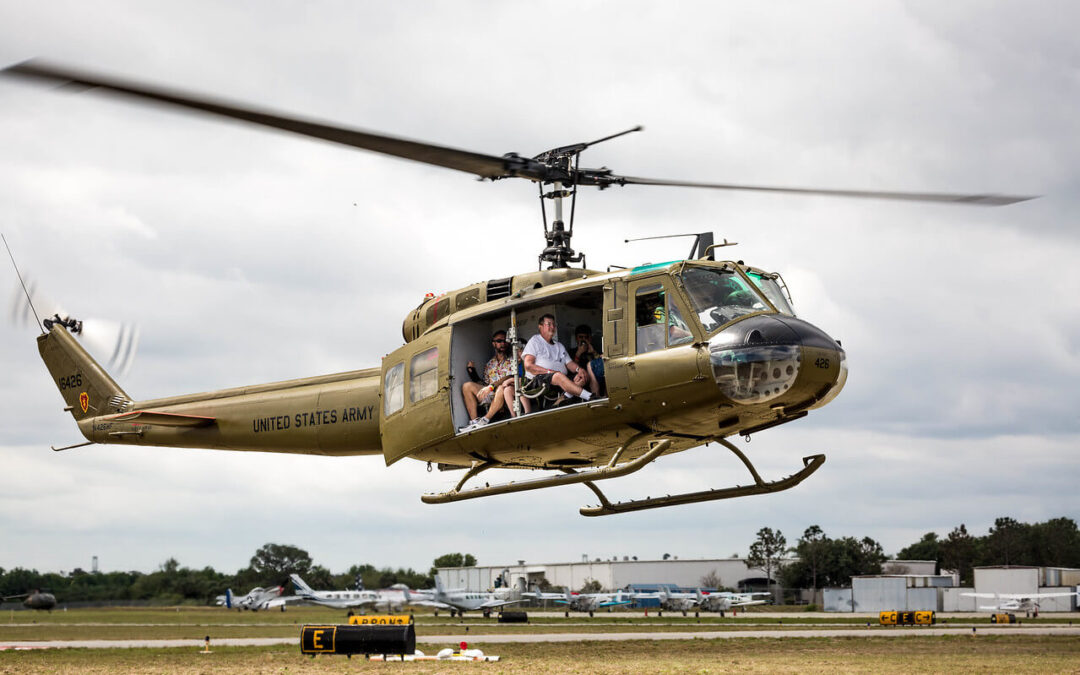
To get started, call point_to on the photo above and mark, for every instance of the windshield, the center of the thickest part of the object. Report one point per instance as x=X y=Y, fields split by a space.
x=720 y=295
x=771 y=287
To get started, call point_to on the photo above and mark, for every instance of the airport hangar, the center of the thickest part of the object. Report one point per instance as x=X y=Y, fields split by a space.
x=939 y=592
x=611 y=574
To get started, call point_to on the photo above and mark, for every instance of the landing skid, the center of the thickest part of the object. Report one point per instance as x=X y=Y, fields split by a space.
x=810 y=465
x=589 y=479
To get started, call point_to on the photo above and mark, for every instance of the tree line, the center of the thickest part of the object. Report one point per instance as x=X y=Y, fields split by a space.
x=820 y=561
x=1054 y=543
x=173 y=584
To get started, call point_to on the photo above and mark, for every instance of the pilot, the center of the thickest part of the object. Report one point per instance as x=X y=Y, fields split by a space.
x=495 y=389
x=547 y=359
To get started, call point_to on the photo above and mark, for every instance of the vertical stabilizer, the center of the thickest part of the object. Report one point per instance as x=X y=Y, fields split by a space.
x=87 y=389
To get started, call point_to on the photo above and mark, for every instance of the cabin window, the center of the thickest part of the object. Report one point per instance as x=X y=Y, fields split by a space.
x=423 y=374
x=659 y=322
x=394 y=389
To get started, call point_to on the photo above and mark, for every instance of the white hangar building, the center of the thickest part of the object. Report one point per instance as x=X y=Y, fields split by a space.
x=1028 y=581
x=611 y=574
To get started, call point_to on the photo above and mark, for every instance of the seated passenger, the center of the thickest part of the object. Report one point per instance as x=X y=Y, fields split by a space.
x=547 y=359
x=588 y=357
x=495 y=389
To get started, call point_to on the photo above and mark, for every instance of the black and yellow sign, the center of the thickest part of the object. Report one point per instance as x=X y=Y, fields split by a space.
x=1003 y=618
x=370 y=638
x=318 y=639
x=908 y=618
x=381 y=620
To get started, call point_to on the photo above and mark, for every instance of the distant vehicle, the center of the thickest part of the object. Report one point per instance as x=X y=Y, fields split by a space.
x=457 y=600
x=583 y=602
x=256 y=599
x=337 y=599
x=36 y=599
x=1017 y=602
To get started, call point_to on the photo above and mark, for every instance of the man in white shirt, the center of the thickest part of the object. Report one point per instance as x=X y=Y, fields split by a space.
x=544 y=356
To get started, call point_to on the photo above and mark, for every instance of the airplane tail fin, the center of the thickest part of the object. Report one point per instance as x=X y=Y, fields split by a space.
x=301 y=587
x=228 y=598
x=88 y=390
x=439 y=585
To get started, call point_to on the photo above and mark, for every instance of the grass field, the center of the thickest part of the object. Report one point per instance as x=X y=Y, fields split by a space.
x=197 y=622
x=960 y=654
x=963 y=652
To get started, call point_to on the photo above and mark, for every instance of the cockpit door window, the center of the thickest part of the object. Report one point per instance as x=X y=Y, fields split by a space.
x=659 y=323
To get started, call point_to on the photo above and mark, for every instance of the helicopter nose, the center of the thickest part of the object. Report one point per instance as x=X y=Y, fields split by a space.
x=767 y=356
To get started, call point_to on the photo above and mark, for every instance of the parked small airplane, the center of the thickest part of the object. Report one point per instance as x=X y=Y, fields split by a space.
x=335 y=599
x=256 y=599
x=35 y=600
x=457 y=600
x=582 y=602
x=722 y=601
x=1017 y=602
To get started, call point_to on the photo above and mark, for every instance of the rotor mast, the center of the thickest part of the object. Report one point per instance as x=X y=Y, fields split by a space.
x=558 y=251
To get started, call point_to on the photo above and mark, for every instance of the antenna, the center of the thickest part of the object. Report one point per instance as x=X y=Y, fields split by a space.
x=701 y=249
x=19 y=274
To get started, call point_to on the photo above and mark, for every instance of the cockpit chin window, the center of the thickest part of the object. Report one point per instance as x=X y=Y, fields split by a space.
x=720 y=295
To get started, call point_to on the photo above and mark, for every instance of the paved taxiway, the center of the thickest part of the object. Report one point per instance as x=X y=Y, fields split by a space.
x=860 y=632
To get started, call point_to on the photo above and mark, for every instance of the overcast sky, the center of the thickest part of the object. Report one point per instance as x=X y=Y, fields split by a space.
x=249 y=256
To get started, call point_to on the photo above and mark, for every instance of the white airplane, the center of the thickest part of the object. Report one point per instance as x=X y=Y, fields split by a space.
x=1017 y=602
x=722 y=601
x=582 y=602
x=256 y=599
x=671 y=601
x=335 y=599
x=457 y=600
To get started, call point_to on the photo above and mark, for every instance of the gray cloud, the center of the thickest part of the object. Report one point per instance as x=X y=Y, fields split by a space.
x=248 y=256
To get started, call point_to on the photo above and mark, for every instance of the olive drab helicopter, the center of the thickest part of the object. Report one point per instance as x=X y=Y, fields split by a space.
x=693 y=351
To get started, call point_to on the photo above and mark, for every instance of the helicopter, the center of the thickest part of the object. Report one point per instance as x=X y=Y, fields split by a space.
x=36 y=599
x=693 y=351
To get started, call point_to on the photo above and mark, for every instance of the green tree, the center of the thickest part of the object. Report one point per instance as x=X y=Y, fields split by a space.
x=767 y=551
x=813 y=551
x=452 y=560
x=927 y=548
x=958 y=553
x=1006 y=541
x=591 y=586
x=273 y=563
x=1055 y=543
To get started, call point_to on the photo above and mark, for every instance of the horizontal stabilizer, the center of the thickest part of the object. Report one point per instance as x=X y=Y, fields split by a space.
x=162 y=419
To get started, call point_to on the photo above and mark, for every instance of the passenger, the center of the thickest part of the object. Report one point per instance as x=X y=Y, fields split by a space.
x=546 y=360
x=491 y=391
x=584 y=352
x=589 y=358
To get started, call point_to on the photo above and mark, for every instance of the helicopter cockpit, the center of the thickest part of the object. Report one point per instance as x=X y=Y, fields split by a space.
x=719 y=295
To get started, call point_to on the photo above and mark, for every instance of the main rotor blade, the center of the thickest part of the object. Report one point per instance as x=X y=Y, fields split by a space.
x=979 y=200
x=485 y=166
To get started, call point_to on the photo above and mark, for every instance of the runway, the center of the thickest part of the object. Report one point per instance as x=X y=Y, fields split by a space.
x=859 y=632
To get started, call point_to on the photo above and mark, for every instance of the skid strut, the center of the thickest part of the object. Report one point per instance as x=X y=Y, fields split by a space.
x=607 y=507
x=810 y=465
x=570 y=477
